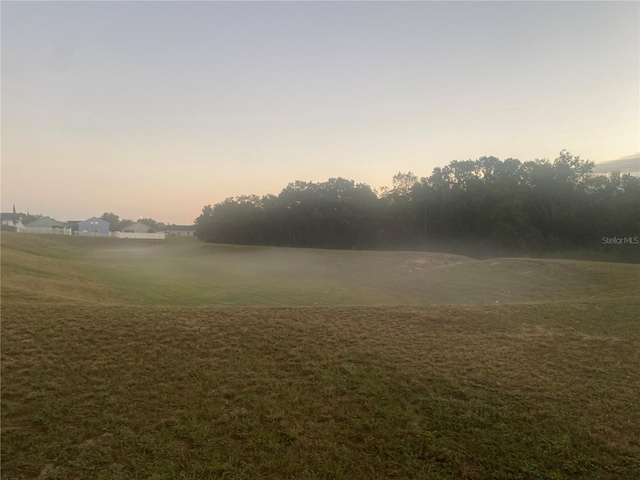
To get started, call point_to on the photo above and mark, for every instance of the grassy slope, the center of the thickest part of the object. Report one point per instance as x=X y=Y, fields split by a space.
x=186 y=272
x=95 y=386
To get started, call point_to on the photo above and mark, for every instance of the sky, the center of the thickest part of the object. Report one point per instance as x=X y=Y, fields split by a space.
x=156 y=109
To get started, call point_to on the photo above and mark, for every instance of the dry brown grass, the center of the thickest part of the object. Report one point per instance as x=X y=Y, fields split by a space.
x=450 y=392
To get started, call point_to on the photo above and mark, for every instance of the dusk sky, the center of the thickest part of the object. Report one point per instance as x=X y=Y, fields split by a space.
x=155 y=109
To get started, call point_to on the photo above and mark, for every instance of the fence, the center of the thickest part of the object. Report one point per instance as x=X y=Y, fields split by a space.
x=87 y=233
x=67 y=231
x=148 y=236
x=44 y=230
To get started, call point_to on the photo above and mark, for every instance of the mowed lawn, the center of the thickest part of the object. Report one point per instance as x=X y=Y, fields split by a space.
x=186 y=272
x=125 y=360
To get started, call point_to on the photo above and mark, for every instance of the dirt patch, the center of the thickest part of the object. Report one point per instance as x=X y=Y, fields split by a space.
x=99 y=441
x=422 y=263
x=183 y=443
x=44 y=473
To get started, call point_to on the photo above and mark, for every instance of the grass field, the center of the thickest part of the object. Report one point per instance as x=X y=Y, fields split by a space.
x=138 y=359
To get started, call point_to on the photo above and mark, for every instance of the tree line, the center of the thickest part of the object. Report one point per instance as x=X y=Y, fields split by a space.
x=480 y=207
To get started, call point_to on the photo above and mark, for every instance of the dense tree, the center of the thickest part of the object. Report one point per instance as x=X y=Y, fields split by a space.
x=117 y=224
x=483 y=207
x=113 y=220
x=154 y=224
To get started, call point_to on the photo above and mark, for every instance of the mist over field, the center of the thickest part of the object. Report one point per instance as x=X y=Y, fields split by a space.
x=187 y=272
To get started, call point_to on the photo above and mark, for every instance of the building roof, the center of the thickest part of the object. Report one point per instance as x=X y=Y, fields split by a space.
x=11 y=216
x=93 y=219
x=44 y=222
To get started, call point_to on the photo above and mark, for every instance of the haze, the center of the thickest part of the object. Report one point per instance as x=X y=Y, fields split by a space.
x=155 y=109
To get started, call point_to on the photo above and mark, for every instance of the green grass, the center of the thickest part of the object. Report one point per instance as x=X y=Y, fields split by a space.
x=188 y=273
x=120 y=360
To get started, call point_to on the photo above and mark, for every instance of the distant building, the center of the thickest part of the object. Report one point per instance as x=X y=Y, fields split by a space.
x=179 y=230
x=93 y=227
x=73 y=225
x=45 y=222
x=11 y=219
x=45 y=225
